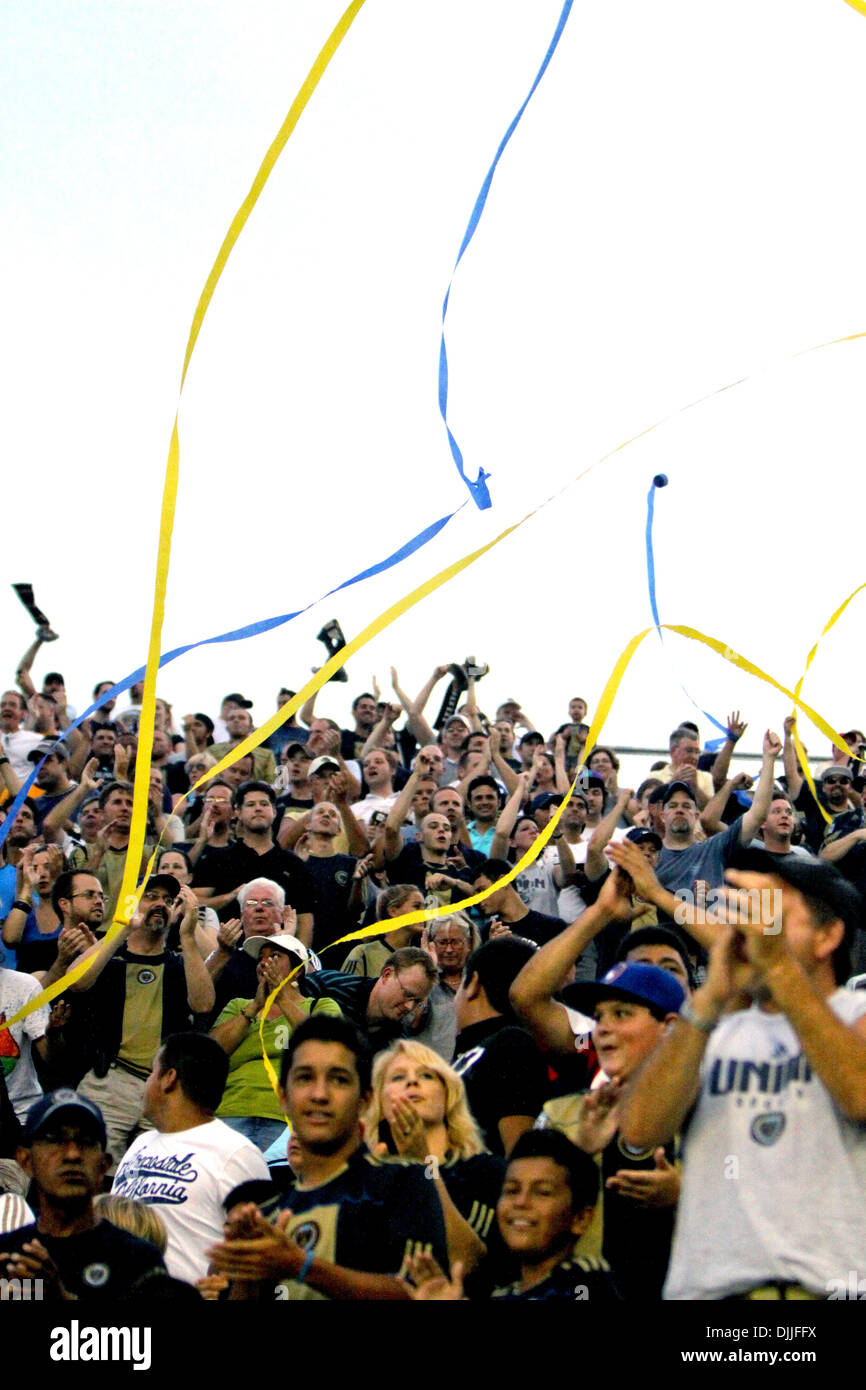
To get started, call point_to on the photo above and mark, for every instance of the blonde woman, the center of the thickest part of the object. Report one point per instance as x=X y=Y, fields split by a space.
x=418 y=1110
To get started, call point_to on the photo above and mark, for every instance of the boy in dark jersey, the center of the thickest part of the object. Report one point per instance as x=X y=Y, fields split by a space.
x=345 y=1231
x=547 y=1201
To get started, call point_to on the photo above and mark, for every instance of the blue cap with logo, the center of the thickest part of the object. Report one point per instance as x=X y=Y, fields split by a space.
x=633 y=981
x=64 y=1101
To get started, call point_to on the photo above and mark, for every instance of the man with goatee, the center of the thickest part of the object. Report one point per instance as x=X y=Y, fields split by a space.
x=140 y=993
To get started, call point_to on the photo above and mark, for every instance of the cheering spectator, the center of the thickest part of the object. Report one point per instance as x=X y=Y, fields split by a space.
x=249 y=1104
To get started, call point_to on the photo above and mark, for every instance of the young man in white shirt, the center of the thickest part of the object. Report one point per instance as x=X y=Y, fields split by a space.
x=190 y=1161
x=773 y=1201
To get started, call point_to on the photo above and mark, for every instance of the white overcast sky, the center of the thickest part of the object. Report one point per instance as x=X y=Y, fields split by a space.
x=681 y=206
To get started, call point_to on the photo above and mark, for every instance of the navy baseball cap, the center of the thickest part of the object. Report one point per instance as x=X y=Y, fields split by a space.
x=633 y=981
x=544 y=799
x=62 y=1102
x=166 y=881
x=642 y=835
x=678 y=787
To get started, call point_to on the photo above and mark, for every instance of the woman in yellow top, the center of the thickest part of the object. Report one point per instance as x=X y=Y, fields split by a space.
x=249 y=1104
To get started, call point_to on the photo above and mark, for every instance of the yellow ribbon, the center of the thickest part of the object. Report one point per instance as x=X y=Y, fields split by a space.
x=372 y=630
x=858 y=5
x=384 y=620
x=129 y=895
x=801 y=752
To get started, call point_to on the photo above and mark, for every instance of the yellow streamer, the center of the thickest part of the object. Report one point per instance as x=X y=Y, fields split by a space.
x=129 y=895
x=858 y=5
x=373 y=629
x=391 y=614
x=801 y=752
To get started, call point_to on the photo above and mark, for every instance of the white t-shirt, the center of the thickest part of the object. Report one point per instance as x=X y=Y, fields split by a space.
x=187 y=1175
x=16 y=747
x=363 y=810
x=22 y=1083
x=774 y=1175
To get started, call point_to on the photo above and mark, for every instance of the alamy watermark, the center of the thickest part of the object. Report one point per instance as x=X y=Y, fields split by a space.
x=21 y=1291
x=730 y=907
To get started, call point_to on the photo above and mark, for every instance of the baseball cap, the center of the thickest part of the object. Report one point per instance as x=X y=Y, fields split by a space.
x=837 y=771
x=322 y=762
x=48 y=745
x=167 y=881
x=678 y=787
x=642 y=835
x=587 y=780
x=814 y=879
x=633 y=981
x=237 y=699
x=283 y=940
x=63 y=1101
x=544 y=799
x=299 y=748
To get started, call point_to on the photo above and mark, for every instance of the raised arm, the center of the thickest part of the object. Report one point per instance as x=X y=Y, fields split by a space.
x=392 y=841
x=735 y=730
x=415 y=709
x=596 y=862
x=355 y=836
x=22 y=673
x=508 y=818
x=471 y=703
x=711 y=815
x=7 y=777
x=379 y=732
x=65 y=810
x=794 y=778
x=754 y=818
x=199 y=983
x=562 y=779
x=546 y=971
x=508 y=775
x=307 y=712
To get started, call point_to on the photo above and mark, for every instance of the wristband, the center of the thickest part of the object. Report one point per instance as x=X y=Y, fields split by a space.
x=3 y=760
x=305 y=1267
x=688 y=1015
x=22 y=906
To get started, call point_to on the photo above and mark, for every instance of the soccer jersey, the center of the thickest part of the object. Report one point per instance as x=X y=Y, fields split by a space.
x=774 y=1175
x=582 y=1278
x=370 y=1217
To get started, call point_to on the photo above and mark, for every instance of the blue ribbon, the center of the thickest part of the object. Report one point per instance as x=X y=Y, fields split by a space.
x=239 y=634
x=478 y=487
x=659 y=481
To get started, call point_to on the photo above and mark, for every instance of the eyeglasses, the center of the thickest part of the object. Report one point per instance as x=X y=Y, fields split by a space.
x=151 y=895
x=261 y=902
x=217 y=801
x=836 y=781
x=407 y=994
x=92 y=893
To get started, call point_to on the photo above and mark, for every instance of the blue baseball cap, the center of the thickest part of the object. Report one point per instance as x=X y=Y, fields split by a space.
x=657 y=989
x=64 y=1101
x=642 y=835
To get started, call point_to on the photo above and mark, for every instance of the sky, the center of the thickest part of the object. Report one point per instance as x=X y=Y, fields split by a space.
x=681 y=207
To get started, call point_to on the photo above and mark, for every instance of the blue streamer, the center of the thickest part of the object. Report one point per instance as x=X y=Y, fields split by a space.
x=239 y=634
x=478 y=487
x=660 y=480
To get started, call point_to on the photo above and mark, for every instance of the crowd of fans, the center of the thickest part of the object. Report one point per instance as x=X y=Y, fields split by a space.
x=614 y=1078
